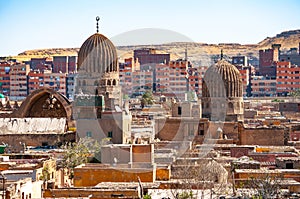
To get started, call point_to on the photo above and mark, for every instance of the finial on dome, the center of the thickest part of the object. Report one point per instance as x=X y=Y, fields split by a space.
x=221 y=54
x=97 y=26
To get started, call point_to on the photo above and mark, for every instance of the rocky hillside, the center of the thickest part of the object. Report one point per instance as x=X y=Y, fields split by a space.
x=287 y=39
x=201 y=53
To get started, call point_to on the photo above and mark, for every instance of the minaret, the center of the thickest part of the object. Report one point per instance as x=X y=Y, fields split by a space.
x=186 y=53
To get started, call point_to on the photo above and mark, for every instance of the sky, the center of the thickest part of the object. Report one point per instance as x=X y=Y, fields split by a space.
x=38 y=24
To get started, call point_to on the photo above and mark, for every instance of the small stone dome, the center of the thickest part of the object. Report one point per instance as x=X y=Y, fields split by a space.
x=222 y=71
x=98 y=55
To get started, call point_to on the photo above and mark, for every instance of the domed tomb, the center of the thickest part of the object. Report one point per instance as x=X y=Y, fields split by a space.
x=222 y=93
x=98 y=54
x=97 y=83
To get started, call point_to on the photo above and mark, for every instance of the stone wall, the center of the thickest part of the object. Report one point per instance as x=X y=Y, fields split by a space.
x=32 y=125
x=93 y=174
x=263 y=136
x=96 y=193
x=15 y=141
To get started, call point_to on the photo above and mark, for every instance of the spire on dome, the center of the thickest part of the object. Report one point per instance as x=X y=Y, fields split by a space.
x=97 y=26
x=221 y=54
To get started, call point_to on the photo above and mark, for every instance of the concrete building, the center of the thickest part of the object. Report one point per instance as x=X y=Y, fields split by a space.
x=70 y=85
x=64 y=64
x=162 y=78
x=240 y=60
x=178 y=71
x=41 y=64
x=147 y=56
x=126 y=69
x=263 y=86
x=194 y=80
x=56 y=81
x=35 y=81
x=18 y=81
x=142 y=80
x=287 y=78
x=293 y=56
x=267 y=57
x=5 y=78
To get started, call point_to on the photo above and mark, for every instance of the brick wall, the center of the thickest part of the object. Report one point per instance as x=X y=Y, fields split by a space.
x=262 y=136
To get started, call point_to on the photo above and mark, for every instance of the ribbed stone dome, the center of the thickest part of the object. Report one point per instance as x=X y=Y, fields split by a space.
x=224 y=72
x=98 y=55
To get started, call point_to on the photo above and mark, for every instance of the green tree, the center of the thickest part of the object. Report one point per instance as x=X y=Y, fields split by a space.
x=147 y=196
x=76 y=153
x=295 y=93
x=45 y=173
x=147 y=99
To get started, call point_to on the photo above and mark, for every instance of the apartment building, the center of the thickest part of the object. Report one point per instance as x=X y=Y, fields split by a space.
x=162 y=73
x=178 y=79
x=18 y=81
x=263 y=86
x=287 y=77
x=5 y=78
x=64 y=64
x=56 y=81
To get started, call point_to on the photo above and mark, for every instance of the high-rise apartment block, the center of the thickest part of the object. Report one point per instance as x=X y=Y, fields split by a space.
x=268 y=59
x=64 y=64
x=18 y=81
x=150 y=56
x=287 y=78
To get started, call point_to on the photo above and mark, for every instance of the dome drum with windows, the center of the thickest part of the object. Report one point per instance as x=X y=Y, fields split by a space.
x=222 y=92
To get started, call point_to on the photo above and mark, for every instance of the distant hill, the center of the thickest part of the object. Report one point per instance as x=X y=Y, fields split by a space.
x=200 y=53
x=287 y=39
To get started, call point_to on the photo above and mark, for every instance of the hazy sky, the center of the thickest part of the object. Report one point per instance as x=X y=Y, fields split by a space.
x=35 y=24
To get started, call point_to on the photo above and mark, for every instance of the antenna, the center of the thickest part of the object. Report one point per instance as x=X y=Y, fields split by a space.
x=97 y=25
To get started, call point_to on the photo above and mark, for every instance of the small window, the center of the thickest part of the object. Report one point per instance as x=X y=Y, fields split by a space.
x=201 y=132
x=179 y=110
x=289 y=165
x=110 y=134
x=89 y=134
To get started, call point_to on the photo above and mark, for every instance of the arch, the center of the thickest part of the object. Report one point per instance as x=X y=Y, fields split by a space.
x=45 y=102
x=230 y=105
x=114 y=82
x=109 y=82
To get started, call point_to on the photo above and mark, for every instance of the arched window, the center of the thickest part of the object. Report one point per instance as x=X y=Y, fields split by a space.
x=114 y=82
x=109 y=82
